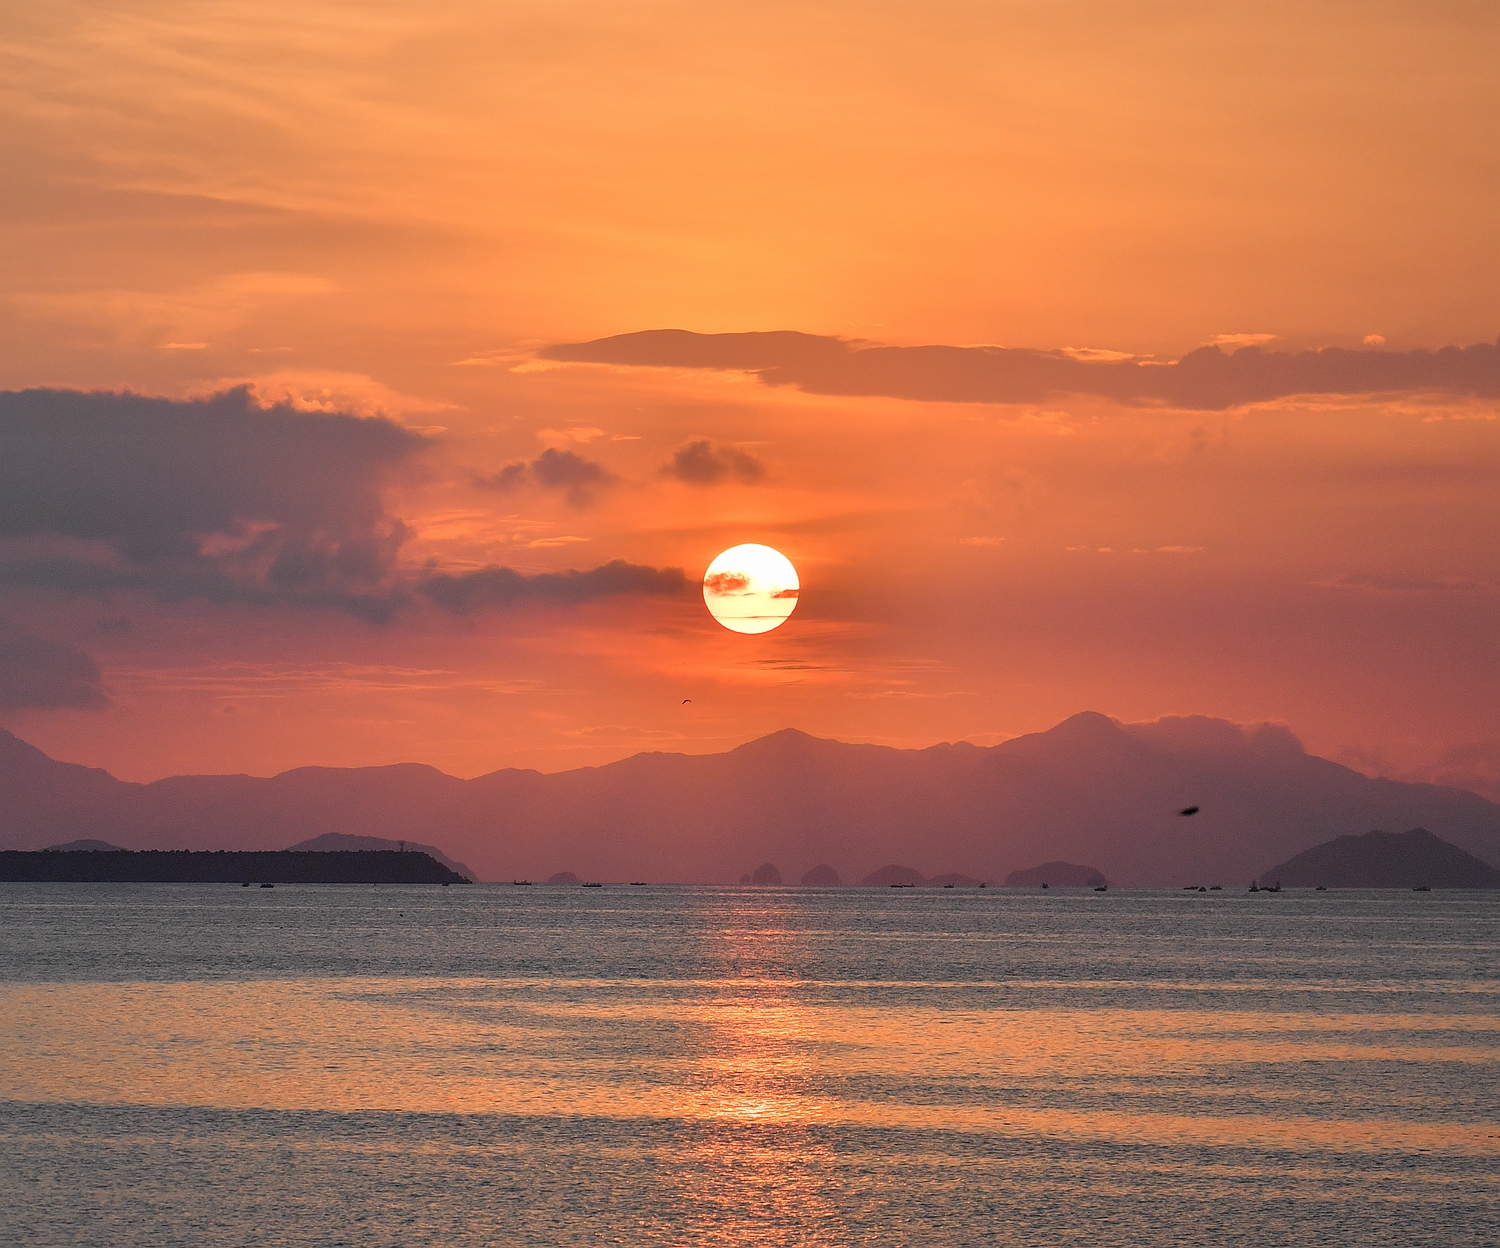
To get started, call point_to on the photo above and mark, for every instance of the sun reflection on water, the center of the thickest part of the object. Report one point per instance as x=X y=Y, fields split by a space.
x=762 y=1068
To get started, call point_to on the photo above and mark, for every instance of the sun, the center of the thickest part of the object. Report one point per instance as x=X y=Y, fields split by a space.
x=751 y=589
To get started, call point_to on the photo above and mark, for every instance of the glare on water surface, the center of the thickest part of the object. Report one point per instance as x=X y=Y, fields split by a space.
x=764 y=1066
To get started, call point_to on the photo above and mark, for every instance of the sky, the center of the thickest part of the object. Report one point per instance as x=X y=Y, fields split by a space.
x=1128 y=357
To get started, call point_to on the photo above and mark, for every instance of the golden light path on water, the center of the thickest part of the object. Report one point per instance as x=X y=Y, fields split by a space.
x=458 y=1046
x=751 y=588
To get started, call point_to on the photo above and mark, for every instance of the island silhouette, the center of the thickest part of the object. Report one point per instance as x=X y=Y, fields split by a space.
x=1415 y=859
x=1058 y=875
x=181 y=866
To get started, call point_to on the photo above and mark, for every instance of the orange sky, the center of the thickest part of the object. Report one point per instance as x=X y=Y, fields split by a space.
x=388 y=209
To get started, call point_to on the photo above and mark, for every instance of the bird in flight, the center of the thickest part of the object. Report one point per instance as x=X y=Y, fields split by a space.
x=685 y=701
x=1188 y=810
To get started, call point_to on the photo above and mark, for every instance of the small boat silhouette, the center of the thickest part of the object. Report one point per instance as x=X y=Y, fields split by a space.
x=1254 y=887
x=521 y=883
x=1216 y=888
x=1321 y=888
x=268 y=886
x=1422 y=888
x=1101 y=888
x=591 y=886
x=637 y=883
x=947 y=886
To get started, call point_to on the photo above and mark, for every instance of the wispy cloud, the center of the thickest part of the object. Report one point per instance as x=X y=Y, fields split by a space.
x=256 y=681
x=1209 y=378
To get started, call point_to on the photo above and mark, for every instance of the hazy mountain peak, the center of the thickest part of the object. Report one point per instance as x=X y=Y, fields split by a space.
x=1087 y=730
x=1086 y=726
x=786 y=740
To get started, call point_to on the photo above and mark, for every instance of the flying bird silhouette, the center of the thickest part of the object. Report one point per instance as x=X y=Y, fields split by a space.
x=685 y=701
x=1188 y=810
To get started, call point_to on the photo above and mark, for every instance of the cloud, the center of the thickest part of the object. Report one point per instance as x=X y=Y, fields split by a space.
x=1474 y=765
x=466 y=592
x=215 y=498
x=41 y=674
x=726 y=583
x=582 y=434
x=342 y=393
x=1209 y=378
x=553 y=470
x=702 y=462
x=1242 y=340
x=1407 y=584
x=1202 y=734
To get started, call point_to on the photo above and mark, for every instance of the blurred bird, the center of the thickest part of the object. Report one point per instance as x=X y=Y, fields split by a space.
x=685 y=701
x=1188 y=810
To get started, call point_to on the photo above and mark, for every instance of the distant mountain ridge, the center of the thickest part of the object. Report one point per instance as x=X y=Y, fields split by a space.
x=1091 y=790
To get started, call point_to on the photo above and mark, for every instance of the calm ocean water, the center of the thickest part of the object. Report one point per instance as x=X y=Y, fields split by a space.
x=494 y=1065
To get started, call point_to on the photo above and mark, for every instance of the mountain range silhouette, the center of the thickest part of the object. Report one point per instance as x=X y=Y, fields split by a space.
x=1090 y=790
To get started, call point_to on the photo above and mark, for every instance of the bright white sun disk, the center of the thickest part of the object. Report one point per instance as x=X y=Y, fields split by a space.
x=751 y=588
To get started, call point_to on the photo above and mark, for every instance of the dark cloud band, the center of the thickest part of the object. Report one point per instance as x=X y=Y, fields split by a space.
x=1207 y=379
x=553 y=470
x=214 y=498
x=462 y=593
x=704 y=462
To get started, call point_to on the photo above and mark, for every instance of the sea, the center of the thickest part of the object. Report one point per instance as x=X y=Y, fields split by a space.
x=641 y=1065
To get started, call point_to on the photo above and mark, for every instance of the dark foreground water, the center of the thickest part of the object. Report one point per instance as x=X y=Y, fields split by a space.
x=200 y=1065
